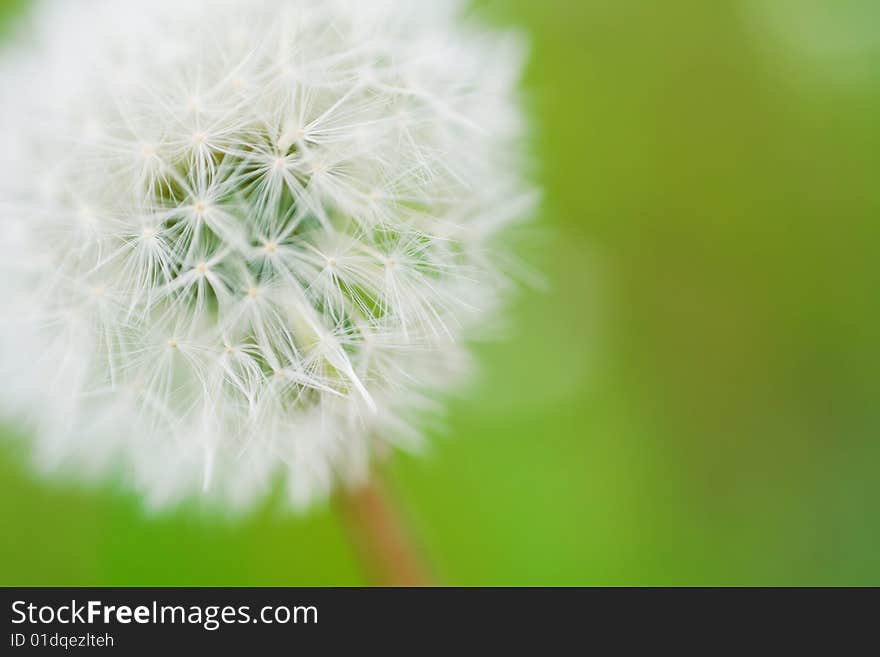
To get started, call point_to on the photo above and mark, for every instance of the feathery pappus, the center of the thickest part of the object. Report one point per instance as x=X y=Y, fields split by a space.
x=242 y=239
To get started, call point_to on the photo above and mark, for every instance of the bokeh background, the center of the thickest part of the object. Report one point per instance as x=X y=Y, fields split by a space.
x=695 y=399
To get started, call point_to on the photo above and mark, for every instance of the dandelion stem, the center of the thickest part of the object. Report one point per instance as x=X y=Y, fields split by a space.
x=381 y=538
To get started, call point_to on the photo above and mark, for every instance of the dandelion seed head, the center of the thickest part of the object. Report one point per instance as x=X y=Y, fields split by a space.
x=243 y=238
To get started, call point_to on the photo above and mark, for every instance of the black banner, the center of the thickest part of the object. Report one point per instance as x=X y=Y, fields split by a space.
x=130 y=621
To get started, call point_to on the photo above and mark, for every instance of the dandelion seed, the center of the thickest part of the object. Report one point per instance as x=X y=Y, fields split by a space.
x=304 y=194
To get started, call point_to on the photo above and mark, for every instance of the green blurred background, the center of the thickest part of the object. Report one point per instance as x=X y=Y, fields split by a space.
x=695 y=398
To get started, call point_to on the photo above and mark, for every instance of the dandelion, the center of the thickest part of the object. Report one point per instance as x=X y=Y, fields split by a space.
x=241 y=239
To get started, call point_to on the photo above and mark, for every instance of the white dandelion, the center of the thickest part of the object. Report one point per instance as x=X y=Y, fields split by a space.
x=246 y=239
